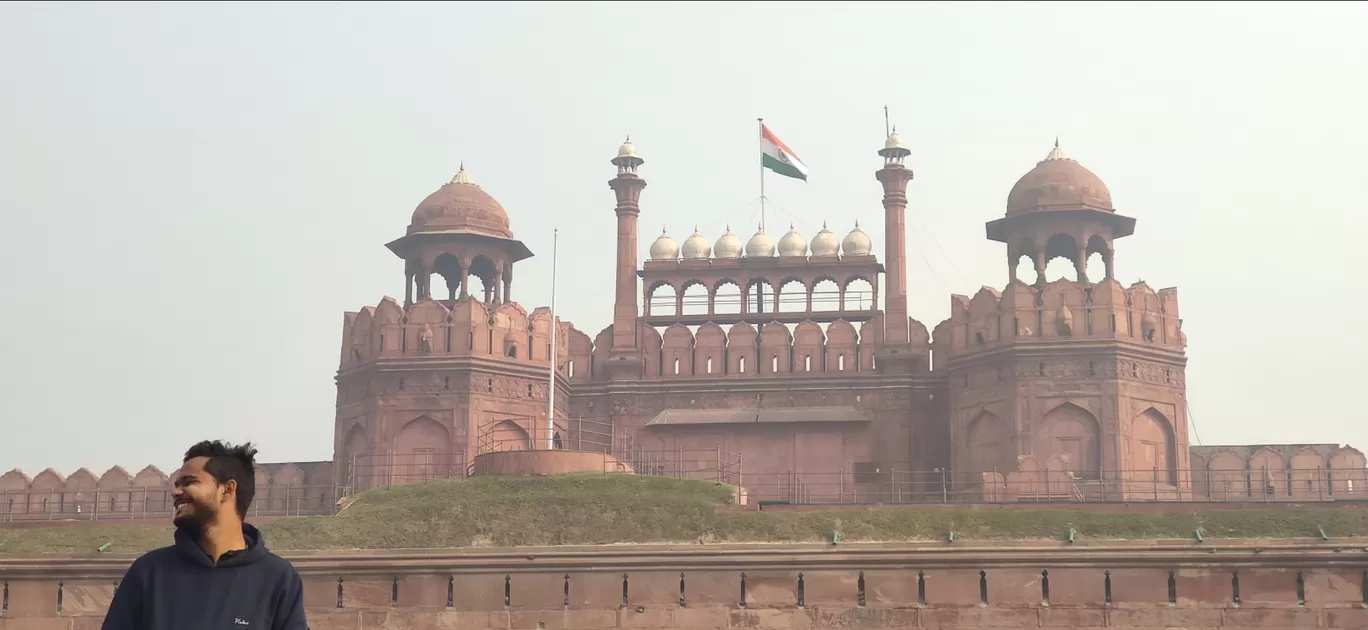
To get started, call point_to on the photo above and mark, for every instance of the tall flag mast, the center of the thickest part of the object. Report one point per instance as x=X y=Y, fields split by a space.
x=551 y=387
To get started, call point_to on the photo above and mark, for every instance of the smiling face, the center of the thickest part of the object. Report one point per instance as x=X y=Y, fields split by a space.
x=198 y=498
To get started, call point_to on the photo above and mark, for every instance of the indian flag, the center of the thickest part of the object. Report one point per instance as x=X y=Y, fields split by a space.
x=777 y=157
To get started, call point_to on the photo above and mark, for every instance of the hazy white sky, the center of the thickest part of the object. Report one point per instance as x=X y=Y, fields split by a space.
x=191 y=195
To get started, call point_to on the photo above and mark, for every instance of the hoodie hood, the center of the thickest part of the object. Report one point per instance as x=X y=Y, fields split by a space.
x=189 y=548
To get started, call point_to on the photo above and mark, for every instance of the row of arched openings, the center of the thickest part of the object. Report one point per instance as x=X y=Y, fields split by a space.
x=793 y=296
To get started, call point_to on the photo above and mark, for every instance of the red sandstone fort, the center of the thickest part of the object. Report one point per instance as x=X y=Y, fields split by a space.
x=769 y=365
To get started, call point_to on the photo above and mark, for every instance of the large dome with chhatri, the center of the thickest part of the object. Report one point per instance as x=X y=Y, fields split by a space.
x=1058 y=182
x=461 y=205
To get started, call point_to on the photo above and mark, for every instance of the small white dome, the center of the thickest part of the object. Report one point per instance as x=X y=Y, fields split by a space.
x=664 y=247
x=759 y=246
x=825 y=243
x=627 y=149
x=792 y=244
x=894 y=141
x=1055 y=154
x=857 y=243
x=696 y=247
x=727 y=247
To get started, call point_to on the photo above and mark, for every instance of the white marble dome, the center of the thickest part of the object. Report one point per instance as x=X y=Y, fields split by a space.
x=825 y=243
x=696 y=247
x=664 y=247
x=792 y=245
x=759 y=246
x=894 y=141
x=727 y=247
x=857 y=243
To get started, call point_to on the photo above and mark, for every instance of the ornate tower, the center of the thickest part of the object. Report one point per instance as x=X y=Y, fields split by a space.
x=896 y=355
x=1069 y=387
x=424 y=386
x=625 y=358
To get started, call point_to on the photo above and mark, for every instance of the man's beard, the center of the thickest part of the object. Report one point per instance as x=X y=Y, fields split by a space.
x=194 y=521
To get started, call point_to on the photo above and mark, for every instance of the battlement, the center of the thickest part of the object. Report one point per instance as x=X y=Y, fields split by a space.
x=743 y=349
x=1065 y=309
x=465 y=327
x=281 y=488
x=1278 y=471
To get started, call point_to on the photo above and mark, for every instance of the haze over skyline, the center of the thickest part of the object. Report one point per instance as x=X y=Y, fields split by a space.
x=193 y=194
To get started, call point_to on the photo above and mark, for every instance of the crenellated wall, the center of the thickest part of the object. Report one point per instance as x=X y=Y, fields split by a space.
x=465 y=327
x=774 y=349
x=1285 y=584
x=1303 y=472
x=282 y=489
x=1065 y=310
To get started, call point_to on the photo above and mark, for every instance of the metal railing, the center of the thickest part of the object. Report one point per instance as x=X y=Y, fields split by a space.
x=861 y=484
x=894 y=485
x=153 y=503
x=386 y=469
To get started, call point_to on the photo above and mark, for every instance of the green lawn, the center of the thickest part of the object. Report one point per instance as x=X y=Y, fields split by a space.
x=600 y=509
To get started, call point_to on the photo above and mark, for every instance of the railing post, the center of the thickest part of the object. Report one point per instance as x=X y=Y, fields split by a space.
x=740 y=469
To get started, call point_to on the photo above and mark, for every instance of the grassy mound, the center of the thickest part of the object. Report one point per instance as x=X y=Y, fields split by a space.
x=602 y=509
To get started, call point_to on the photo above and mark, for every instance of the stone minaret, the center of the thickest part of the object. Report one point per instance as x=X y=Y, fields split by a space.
x=625 y=355
x=895 y=176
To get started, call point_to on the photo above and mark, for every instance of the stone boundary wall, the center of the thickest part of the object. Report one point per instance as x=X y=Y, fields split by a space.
x=1258 y=584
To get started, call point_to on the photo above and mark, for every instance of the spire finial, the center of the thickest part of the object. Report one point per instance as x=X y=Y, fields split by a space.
x=728 y=228
x=462 y=177
x=824 y=225
x=1056 y=153
x=857 y=224
x=662 y=230
x=629 y=138
x=695 y=228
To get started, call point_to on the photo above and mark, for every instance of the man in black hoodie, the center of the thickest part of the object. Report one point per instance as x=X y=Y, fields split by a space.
x=219 y=573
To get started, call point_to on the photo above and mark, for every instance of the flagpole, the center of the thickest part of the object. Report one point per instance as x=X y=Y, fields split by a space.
x=761 y=122
x=551 y=388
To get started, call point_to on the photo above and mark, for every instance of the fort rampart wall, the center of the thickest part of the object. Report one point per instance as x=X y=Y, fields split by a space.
x=1169 y=584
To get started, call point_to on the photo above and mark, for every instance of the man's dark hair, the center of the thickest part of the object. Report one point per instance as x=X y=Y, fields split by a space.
x=229 y=462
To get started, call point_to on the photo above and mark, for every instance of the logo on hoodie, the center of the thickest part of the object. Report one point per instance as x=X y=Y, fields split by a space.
x=240 y=622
